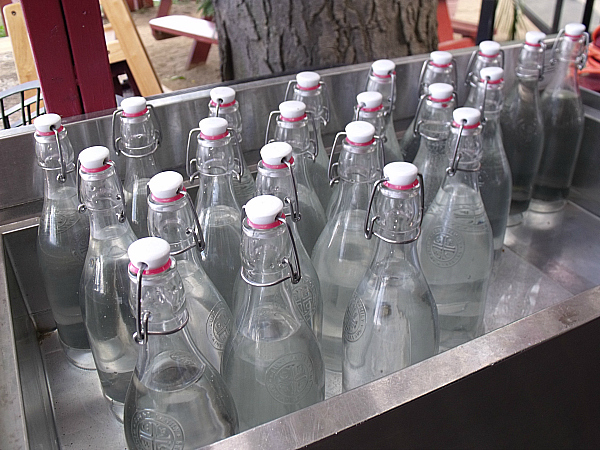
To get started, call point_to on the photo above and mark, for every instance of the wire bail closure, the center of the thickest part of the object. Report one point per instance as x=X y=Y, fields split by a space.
x=294 y=212
x=581 y=59
x=370 y=222
x=424 y=69
x=238 y=174
x=422 y=100
x=451 y=171
x=143 y=317
x=313 y=141
x=81 y=208
x=325 y=93
x=472 y=61
x=62 y=176
x=333 y=179
x=117 y=141
x=295 y=275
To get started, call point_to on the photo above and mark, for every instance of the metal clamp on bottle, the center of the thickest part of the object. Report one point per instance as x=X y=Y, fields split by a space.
x=293 y=84
x=312 y=129
x=62 y=176
x=431 y=60
x=134 y=107
x=483 y=46
x=451 y=171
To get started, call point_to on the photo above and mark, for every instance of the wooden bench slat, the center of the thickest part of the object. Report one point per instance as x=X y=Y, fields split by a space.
x=191 y=27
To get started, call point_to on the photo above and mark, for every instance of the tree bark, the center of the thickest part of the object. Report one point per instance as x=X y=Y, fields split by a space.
x=263 y=37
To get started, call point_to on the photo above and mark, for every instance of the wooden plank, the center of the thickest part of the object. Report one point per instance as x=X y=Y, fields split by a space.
x=88 y=47
x=192 y=27
x=115 y=52
x=17 y=31
x=52 y=55
x=119 y=16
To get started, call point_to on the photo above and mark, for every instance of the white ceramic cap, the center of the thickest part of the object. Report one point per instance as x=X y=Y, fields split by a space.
x=165 y=184
x=94 y=157
x=574 y=29
x=308 y=79
x=489 y=48
x=383 y=67
x=45 y=122
x=213 y=126
x=133 y=105
x=263 y=209
x=292 y=109
x=371 y=99
x=471 y=115
x=226 y=94
x=441 y=58
x=400 y=173
x=440 y=91
x=360 y=132
x=534 y=37
x=153 y=251
x=274 y=153
x=494 y=73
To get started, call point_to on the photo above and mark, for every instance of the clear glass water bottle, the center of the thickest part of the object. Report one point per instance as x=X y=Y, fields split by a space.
x=272 y=363
x=456 y=246
x=223 y=104
x=522 y=124
x=562 y=112
x=136 y=135
x=382 y=79
x=218 y=211
x=433 y=128
x=293 y=126
x=342 y=254
x=277 y=176
x=176 y=398
x=310 y=90
x=172 y=217
x=391 y=321
x=63 y=237
x=489 y=54
x=495 y=180
x=104 y=283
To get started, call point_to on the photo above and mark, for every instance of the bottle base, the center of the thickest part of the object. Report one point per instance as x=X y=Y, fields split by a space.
x=514 y=220
x=116 y=408
x=547 y=206
x=81 y=358
x=333 y=383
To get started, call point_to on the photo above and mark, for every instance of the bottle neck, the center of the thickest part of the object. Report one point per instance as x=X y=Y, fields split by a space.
x=296 y=134
x=144 y=167
x=138 y=135
x=398 y=213
x=50 y=147
x=53 y=188
x=487 y=98
x=313 y=99
x=278 y=182
x=469 y=152
x=387 y=253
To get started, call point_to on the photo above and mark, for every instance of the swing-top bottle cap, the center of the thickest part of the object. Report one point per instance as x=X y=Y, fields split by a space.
x=383 y=67
x=165 y=184
x=471 y=116
x=400 y=173
x=94 y=157
x=534 y=37
x=153 y=251
x=574 y=29
x=489 y=48
x=292 y=109
x=440 y=58
x=308 y=79
x=46 y=122
x=360 y=132
x=223 y=93
x=371 y=99
x=440 y=91
x=263 y=209
x=133 y=105
x=213 y=126
x=274 y=153
x=493 y=73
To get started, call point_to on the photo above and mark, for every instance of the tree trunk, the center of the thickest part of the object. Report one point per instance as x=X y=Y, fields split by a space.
x=273 y=36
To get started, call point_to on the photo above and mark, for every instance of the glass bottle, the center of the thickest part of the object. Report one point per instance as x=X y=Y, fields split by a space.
x=272 y=363
x=293 y=128
x=172 y=217
x=382 y=79
x=562 y=112
x=433 y=128
x=456 y=247
x=277 y=176
x=176 y=398
x=223 y=104
x=489 y=54
x=218 y=211
x=310 y=90
x=104 y=285
x=136 y=135
x=342 y=254
x=522 y=125
x=391 y=321
x=494 y=176
x=440 y=67
x=63 y=237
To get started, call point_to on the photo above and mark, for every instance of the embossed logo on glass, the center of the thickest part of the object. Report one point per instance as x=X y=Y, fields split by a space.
x=303 y=295
x=355 y=320
x=290 y=378
x=218 y=326
x=156 y=431
x=445 y=246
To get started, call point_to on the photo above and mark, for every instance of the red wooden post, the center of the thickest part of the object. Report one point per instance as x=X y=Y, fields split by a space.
x=52 y=54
